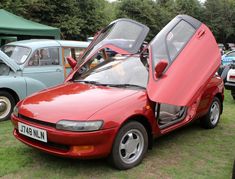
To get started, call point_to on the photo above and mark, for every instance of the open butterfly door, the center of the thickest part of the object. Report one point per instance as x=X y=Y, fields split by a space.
x=193 y=57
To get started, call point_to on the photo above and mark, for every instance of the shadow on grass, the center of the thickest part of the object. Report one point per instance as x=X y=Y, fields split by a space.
x=95 y=164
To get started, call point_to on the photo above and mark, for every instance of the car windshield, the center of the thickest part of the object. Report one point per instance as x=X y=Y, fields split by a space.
x=117 y=72
x=17 y=53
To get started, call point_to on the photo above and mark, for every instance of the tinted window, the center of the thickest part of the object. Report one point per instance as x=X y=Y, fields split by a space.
x=178 y=37
x=124 y=33
x=123 y=37
x=171 y=40
x=45 y=57
x=74 y=52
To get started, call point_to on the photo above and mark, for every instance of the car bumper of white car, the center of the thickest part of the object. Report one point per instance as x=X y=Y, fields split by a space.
x=230 y=86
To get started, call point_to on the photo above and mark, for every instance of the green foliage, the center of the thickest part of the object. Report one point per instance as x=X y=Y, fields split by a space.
x=64 y=15
x=190 y=152
x=144 y=11
x=79 y=19
x=95 y=15
x=189 y=7
x=220 y=16
x=14 y=6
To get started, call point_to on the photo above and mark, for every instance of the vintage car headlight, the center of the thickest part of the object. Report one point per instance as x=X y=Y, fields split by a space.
x=79 y=125
x=15 y=111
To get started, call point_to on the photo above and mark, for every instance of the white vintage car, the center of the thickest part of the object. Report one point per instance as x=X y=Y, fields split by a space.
x=230 y=80
x=28 y=66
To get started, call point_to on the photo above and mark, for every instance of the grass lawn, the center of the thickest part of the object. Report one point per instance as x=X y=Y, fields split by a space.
x=190 y=152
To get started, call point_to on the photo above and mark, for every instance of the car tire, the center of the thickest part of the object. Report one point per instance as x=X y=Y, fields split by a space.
x=233 y=94
x=7 y=104
x=211 y=119
x=130 y=146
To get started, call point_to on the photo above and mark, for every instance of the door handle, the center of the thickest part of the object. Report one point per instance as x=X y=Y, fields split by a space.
x=201 y=33
x=58 y=70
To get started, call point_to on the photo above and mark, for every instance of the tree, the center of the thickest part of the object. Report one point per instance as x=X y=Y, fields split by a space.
x=14 y=6
x=220 y=17
x=189 y=7
x=95 y=15
x=64 y=15
x=147 y=12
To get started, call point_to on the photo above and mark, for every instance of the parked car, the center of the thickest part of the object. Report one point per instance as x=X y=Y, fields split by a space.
x=228 y=58
x=231 y=46
x=230 y=82
x=221 y=48
x=117 y=106
x=32 y=65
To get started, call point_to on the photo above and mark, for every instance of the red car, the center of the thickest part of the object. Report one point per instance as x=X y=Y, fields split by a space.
x=115 y=106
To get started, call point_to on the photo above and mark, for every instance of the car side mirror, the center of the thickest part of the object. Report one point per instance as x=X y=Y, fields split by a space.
x=160 y=67
x=71 y=62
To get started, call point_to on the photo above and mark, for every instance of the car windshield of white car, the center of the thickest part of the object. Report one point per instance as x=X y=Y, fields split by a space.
x=17 y=53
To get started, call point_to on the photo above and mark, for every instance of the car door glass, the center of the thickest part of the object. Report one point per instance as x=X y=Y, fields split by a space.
x=45 y=57
x=93 y=62
x=171 y=40
x=74 y=52
x=34 y=60
x=127 y=40
x=178 y=37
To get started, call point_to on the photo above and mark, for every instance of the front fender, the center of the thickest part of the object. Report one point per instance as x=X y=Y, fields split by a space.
x=22 y=86
x=136 y=105
x=34 y=85
x=16 y=84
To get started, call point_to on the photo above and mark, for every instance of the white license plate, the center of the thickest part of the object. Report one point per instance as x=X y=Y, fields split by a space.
x=32 y=132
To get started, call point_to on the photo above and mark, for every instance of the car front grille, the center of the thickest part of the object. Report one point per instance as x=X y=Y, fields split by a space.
x=36 y=121
x=49 y=144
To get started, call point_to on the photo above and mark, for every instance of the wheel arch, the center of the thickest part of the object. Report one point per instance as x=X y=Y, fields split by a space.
x=144 y=121
x=11 y=92
x=220 y=97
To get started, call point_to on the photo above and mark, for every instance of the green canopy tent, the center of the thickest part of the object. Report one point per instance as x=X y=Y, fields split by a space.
x=12 y=25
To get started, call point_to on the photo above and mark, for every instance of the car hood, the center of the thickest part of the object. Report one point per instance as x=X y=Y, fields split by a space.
x=8 y=61
x=72 y=101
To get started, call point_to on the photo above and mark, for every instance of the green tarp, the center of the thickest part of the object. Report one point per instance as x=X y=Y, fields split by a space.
x=11 y=24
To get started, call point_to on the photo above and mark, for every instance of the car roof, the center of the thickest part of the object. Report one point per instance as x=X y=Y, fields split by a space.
x=69 y=43
x=39 y=43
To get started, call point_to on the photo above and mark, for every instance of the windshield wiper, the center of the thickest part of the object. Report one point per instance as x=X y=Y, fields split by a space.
x=111 y=85
x=90 y=82
x=125 y=85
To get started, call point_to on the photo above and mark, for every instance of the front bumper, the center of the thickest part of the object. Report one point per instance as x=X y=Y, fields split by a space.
x=230 y=86
x=69 y=144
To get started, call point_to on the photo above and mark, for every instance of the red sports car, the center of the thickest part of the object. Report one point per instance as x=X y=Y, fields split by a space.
x=114 y=106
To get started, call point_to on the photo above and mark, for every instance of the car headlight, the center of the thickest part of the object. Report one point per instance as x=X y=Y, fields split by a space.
x=15 y=111
x=79 y=125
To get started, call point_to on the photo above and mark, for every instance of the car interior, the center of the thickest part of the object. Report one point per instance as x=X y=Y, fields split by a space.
x=168 y=115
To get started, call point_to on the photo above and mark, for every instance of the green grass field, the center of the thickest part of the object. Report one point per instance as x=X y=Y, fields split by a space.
x=190 y=152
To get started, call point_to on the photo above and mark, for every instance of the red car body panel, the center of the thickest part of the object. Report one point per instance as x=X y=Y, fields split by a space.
x=63 y=143
x=116 y=106
x=136 y=105
x=208 y=61
x=64 y=99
